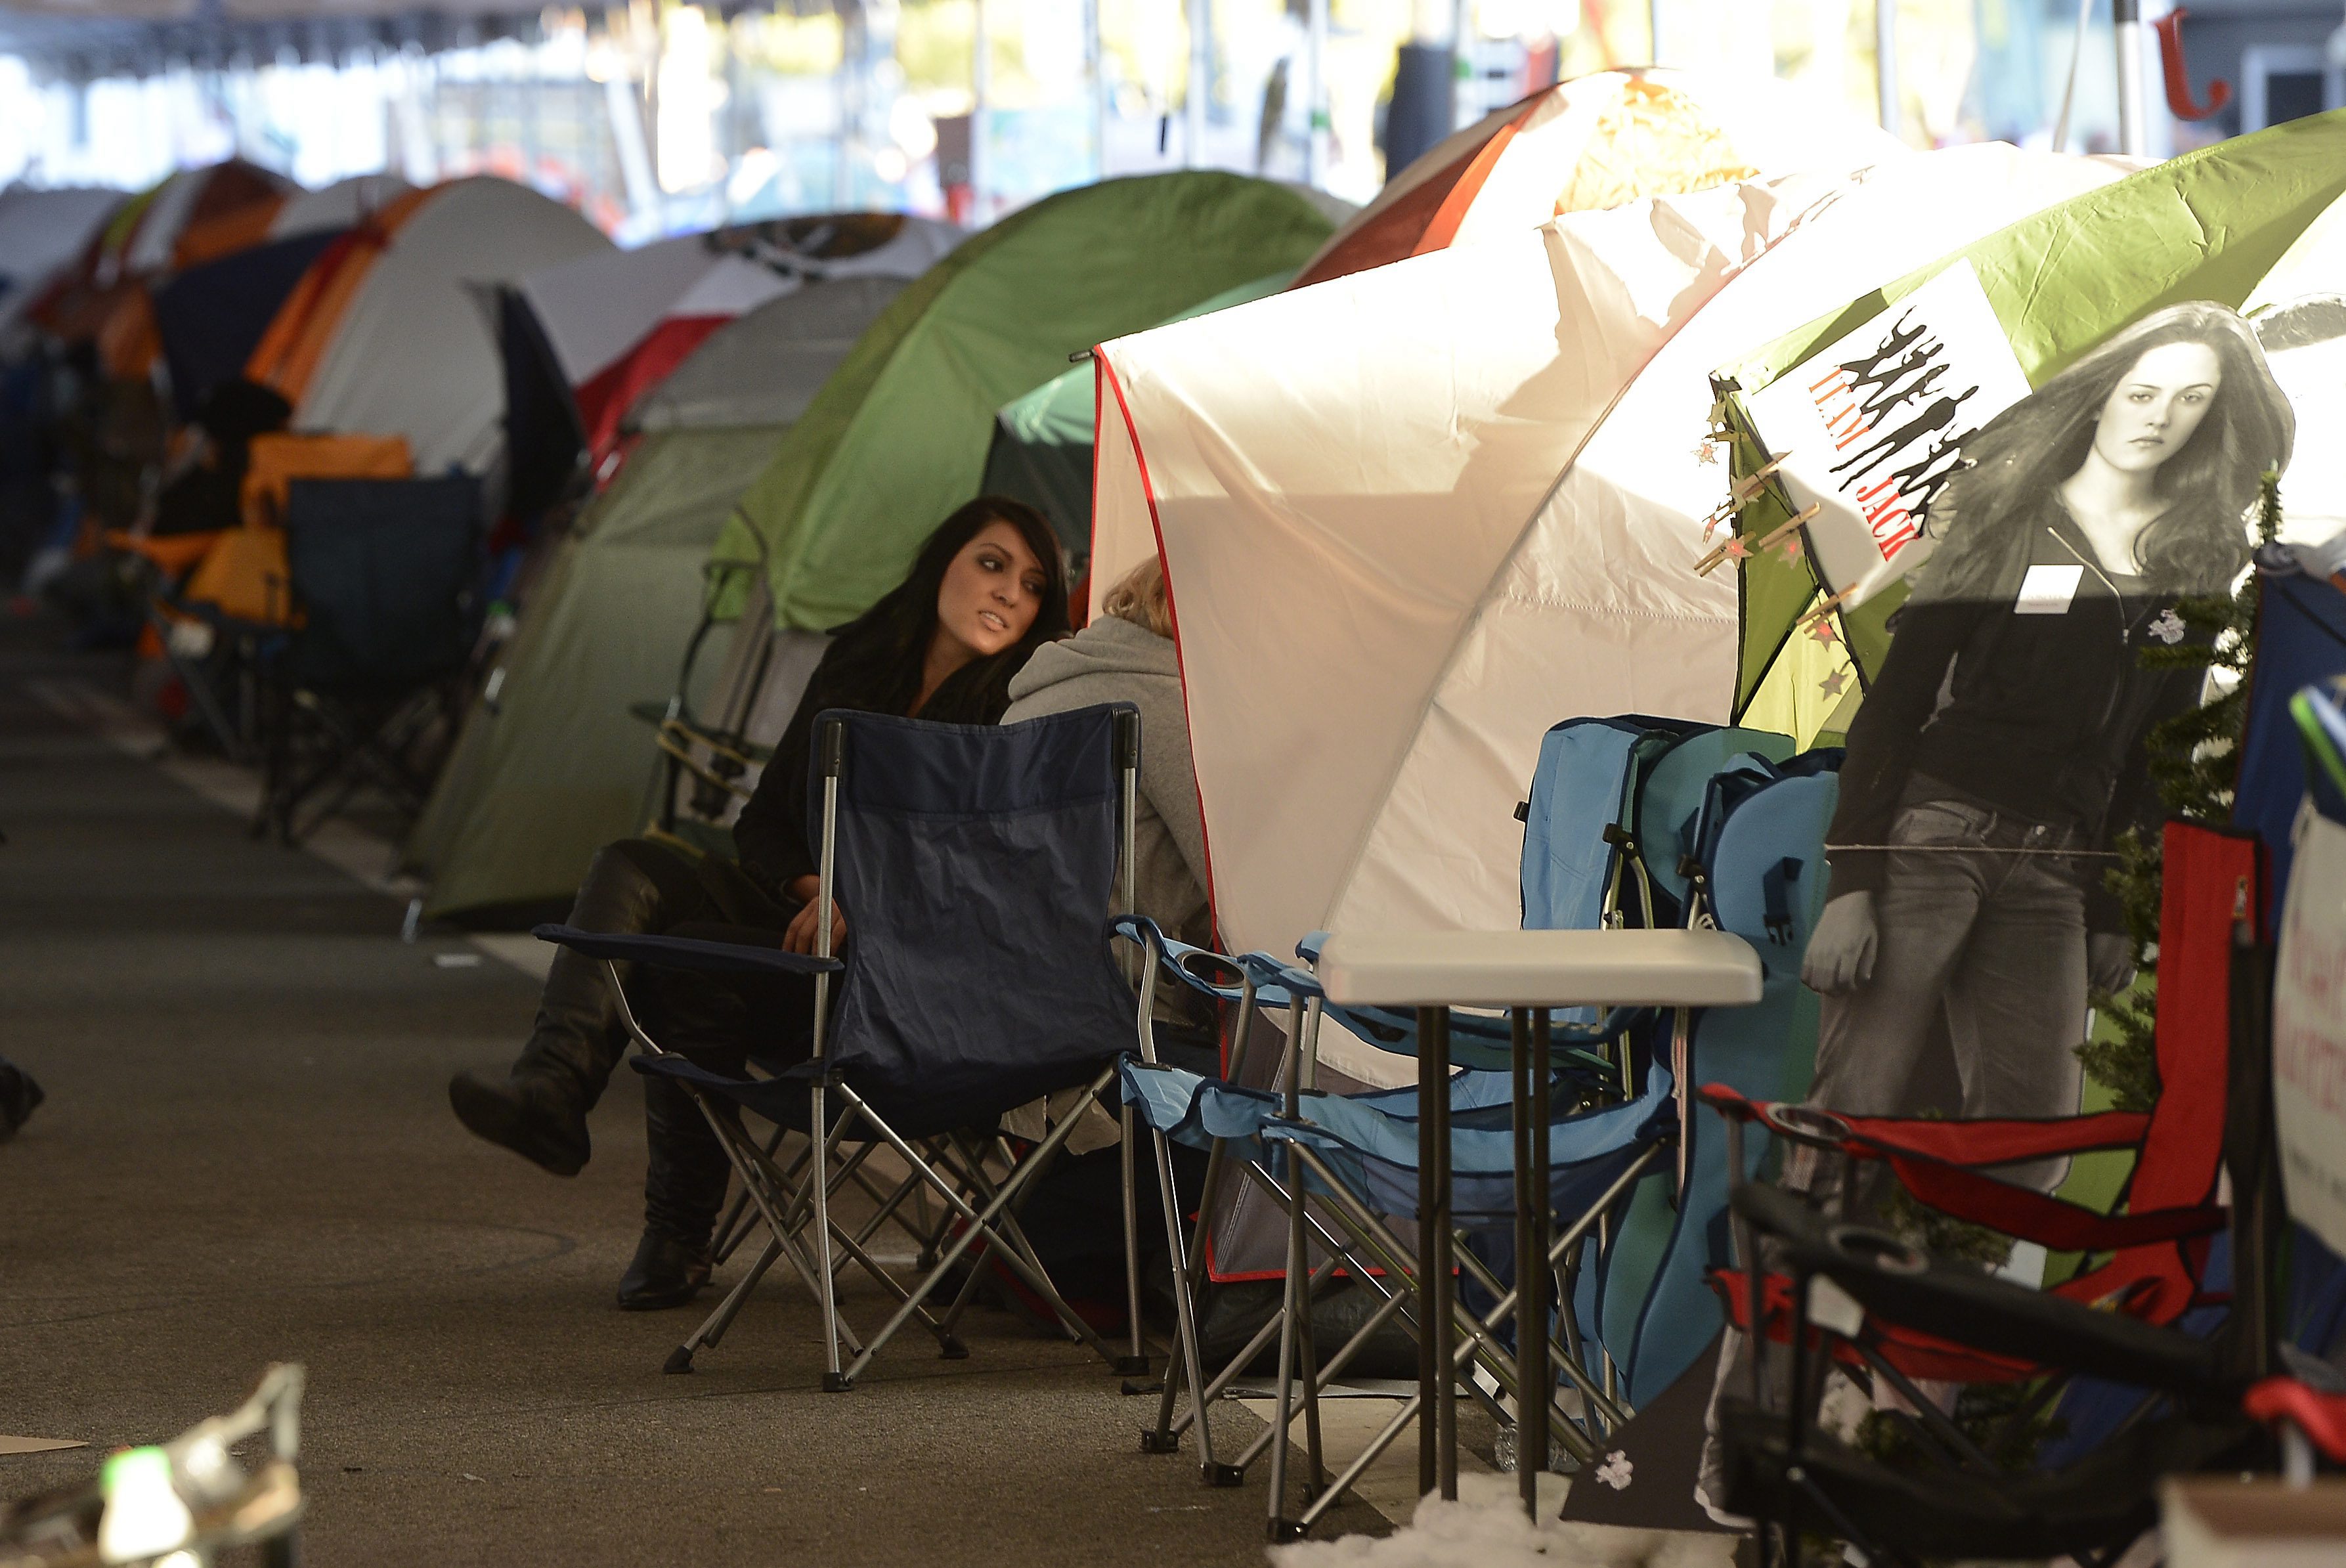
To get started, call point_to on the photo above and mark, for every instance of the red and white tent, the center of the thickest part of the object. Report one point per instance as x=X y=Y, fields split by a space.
x=1411 y=518
x=620 y=321
x=1594 y=142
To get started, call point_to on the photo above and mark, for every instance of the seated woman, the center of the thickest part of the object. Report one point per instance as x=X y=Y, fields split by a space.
x=1075 y=1215
x=986 y=592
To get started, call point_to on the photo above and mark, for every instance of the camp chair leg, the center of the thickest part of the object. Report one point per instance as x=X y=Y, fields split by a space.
x=712 y=1327
x=735 y=1228
x=1190 y=1281
x=1393 y=1304
x=1293 y=1311
x=1135 y=1360
x=981 y=1225
x=1245 y=1358
x=826 y=1288
x=1164 y=1439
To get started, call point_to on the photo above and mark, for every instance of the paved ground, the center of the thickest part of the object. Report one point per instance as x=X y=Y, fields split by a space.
x=246 y=1155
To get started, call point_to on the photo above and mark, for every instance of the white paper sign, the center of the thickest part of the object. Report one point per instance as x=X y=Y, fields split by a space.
x=1871 y=425
x=2309 y=1031
x=2048 y=590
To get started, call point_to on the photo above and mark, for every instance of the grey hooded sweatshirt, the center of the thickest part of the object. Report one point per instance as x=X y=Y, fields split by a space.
x=1116 y=660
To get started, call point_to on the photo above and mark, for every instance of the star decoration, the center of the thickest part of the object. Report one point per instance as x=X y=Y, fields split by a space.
x=1736 y=550
x=1834 y=683
x=1791 y=547
x=1823 y=631
x=1703 y=452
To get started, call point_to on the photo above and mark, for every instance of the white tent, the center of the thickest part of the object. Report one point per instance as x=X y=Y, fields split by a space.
x=765 y=368
x=40 y=232
x=618 y=321
x=412 y=355
x=336 y=206
x=1385 y=594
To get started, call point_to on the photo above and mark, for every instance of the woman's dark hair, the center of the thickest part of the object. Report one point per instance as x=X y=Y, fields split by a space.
x=2199 y=544
x=881 y=652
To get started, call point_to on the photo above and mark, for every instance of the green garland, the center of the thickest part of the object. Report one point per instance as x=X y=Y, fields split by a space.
x=2194 y=758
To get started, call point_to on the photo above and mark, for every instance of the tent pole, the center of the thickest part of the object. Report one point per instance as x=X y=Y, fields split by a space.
x=1654 y=32
x=2126 y=33
x=1200 y=85
x=1886 y=63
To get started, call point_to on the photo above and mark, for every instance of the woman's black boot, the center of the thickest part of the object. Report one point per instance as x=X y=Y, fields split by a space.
x=539 y=1112
x=666 y=1273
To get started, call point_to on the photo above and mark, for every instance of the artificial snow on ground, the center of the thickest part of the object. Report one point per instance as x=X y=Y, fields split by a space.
x=1486 y=1528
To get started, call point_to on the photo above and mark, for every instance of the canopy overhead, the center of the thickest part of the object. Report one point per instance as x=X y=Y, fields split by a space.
x=383 y=336
x=898 y=437
x=1594 y=142
x=1363 y=477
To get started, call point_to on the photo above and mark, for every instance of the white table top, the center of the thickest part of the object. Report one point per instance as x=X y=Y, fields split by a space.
x=1540 y=968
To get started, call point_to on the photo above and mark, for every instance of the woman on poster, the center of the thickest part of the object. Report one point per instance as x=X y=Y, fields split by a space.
x=2000 y=751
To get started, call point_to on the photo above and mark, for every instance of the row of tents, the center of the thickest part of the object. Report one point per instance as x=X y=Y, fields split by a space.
x=731 y=498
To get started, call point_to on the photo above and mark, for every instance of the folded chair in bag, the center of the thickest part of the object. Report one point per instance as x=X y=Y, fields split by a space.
x=976 y=866
x=383 y=579
x=1893 y=1313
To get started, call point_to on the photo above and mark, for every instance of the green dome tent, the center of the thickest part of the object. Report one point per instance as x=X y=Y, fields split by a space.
x=898 y=438
x=551 y=763
x=1041 y=451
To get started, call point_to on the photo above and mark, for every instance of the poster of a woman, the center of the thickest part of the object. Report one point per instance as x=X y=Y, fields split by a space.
x=2001 y=750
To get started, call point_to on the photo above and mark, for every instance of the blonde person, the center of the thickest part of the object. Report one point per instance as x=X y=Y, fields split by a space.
x=1126 y=655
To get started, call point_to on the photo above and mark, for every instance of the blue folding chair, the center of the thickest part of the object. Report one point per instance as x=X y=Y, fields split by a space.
x=976 y=868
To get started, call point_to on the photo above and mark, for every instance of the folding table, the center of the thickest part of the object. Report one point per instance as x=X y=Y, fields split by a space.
x=1529 y=972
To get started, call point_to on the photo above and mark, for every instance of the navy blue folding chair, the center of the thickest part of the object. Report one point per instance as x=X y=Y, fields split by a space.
x=976 y=868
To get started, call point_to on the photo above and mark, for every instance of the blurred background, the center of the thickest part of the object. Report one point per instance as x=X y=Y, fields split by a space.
x=656 y=118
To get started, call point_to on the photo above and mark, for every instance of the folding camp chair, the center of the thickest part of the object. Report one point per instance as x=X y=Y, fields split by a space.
x=383 y=579
x=1895 y=1315
x=976 y=866
x=1614 y=805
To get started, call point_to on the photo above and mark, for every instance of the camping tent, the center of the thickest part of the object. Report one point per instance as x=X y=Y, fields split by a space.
x=584 y=339
x=552 y=764
x=1387 y=505
x=337 y=206
x=899 y=436
x=209 y=318
x=41 y=232
x=1041 y=448
x=1594 y=142
x=383 y=335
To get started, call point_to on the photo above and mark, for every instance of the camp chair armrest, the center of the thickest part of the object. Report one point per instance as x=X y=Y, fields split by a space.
x=1899 y=1283
x=682 y=952
x=1176 y=958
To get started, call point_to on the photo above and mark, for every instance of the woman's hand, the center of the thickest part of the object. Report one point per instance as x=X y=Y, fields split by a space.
x=801 y=936
x=1842 y=948
x=2109 y=961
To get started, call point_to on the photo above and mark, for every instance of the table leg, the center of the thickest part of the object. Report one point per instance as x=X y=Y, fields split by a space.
x=1431 y=1319
x=1445 y=1391
x=1531 y=1053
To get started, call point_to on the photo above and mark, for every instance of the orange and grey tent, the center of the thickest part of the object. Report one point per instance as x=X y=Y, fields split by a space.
x=195 y=215
x=1595 y=142
x=386 y=333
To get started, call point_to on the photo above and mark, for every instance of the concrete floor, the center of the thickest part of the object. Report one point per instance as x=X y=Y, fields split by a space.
x=246 y=1155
